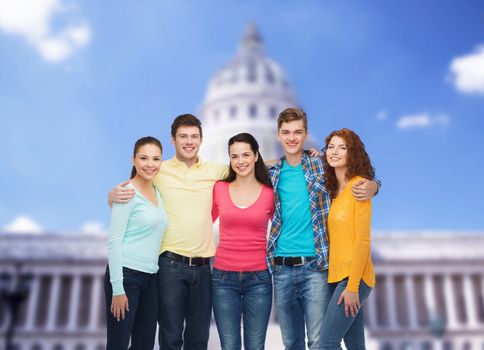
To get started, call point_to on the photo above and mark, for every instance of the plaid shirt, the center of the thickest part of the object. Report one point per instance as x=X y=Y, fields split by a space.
x=320 y=201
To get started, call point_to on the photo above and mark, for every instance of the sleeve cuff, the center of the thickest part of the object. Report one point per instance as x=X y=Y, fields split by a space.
x=118 y=288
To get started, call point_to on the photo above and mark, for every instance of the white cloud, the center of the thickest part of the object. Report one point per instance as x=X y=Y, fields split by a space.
x=23 y=224
x=32 y=20
x=468 y=72
x=93 y=228
x=422 y=120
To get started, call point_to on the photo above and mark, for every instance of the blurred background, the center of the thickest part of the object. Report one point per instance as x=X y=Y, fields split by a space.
x=80 y=81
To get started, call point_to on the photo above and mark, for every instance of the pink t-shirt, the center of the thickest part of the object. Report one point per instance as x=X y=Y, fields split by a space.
x=243 y=231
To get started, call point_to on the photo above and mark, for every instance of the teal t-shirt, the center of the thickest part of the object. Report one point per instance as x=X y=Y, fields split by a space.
x=135 y=233
x=297 y=237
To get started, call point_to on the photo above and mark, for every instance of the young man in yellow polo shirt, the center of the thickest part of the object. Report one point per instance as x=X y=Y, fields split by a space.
x=184 y=277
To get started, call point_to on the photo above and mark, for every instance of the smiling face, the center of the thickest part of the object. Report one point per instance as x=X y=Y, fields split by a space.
x=336 y=152
x=187 y=143
x=292 y=136
x=147 y=161
x=242 y=159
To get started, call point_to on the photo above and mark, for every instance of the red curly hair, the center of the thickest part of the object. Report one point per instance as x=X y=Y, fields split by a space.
x=357 y=160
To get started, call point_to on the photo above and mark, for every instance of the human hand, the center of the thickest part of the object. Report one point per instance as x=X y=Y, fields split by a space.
x=364 y=189
x=121 y=194
x=352 y=302
x=313 y=152
x=119 y=305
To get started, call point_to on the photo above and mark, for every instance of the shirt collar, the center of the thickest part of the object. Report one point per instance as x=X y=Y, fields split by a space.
x=181 y=164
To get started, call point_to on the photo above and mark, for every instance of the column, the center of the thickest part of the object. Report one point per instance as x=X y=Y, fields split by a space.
x=450 y=302
x=470 y=301
x=95 y=302
x=391 y=301
x=53 y=302
x=33 y=303
x=411 y=304
x=74 y=302
x=429 y=292
x=370 y=310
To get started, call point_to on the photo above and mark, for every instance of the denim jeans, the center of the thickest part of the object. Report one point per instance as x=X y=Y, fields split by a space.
x=337 y=327
x=184 y=298
x=139 y=322
x=301 y=295
x=246 y=295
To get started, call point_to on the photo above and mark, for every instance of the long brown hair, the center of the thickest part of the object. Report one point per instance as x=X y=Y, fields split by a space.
x=357 y=160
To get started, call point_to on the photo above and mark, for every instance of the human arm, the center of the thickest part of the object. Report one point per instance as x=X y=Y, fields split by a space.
x=365 y=189
x=117 y=230
x=313 y=152
x=361 y=249
x=215 y=212
x=121 y=193
x=270 y=162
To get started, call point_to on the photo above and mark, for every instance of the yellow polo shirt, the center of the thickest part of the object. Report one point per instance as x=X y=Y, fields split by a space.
x=187 y=198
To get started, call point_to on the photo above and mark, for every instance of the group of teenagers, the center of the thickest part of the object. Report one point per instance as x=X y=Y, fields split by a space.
x=300 y=225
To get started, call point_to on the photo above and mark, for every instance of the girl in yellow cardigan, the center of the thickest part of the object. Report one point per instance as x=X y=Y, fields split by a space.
x=351 y=276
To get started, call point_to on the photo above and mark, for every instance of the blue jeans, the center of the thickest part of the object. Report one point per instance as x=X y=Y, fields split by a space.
x=184 y=298
x=301 y=295
x=337 y=327
x=139 y=322
x=242 y=294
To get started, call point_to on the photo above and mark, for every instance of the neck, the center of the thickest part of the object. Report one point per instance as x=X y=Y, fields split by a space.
x=294 y=159
x=140 y=182
x=340 y=176
x=245 y=181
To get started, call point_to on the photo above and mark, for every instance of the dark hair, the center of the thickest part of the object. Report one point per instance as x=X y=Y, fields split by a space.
x=185 y=120
x=357 y=160
x=290 y=114
x=260 y=169
x=147 y=140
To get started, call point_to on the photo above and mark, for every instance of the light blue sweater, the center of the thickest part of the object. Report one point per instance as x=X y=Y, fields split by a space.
x=135 y=233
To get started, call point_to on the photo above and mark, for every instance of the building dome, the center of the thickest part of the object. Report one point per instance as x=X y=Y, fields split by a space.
x=245 y=95
x=250 y=74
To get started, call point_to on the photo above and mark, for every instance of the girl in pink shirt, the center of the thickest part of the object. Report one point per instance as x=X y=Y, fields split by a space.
x=241 y=282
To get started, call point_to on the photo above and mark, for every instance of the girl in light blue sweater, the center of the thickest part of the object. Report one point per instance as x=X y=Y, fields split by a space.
x=135 y=234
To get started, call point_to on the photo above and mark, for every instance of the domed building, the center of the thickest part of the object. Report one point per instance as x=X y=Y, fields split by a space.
x=429 y=293
x=246 y=95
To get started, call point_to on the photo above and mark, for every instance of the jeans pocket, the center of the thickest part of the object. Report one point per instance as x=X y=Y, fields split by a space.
x=263 y=277
x=313 y=266
x=217 y=275
x=167 y=264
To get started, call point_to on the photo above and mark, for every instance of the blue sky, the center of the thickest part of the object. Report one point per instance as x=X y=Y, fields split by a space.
x=80 y=81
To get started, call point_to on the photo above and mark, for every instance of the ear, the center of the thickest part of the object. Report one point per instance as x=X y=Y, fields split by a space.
x=173 y=141
x=132 y=160
x=256 y=156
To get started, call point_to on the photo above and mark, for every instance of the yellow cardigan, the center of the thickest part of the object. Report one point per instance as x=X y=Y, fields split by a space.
x=349 y=240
